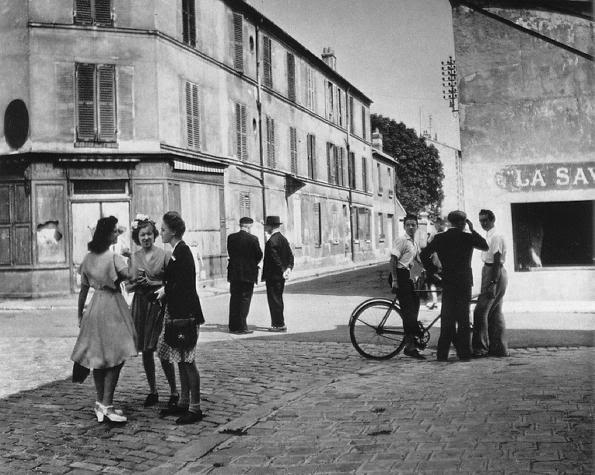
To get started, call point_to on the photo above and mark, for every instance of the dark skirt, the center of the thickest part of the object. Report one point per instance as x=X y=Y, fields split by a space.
x=148 y=320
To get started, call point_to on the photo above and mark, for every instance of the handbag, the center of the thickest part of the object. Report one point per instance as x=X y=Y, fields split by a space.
x=79 y=373
x=181 y=333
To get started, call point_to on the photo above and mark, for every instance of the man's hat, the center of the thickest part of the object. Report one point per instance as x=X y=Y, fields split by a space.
x=246 y=220
x=272 y=221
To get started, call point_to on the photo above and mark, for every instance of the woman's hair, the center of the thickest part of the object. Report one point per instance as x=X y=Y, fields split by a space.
x=141 y=225
x=102 y=236
x=175 y=223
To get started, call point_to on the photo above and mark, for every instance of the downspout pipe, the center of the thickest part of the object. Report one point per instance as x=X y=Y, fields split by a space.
x=349 y=176
x=260 y=141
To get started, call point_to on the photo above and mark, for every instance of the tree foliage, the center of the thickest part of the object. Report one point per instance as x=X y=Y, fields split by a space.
x=419 y=169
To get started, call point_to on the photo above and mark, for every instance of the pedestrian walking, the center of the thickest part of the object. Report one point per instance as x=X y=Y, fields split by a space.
x=244 y=254
x=455 y=249
x=404 y=256
x=146 y=269
x=276 y=268
x=488 y=320
x=107 y=336
x=182 y=319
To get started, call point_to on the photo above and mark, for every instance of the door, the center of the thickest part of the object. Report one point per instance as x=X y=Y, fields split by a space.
x=84 y=220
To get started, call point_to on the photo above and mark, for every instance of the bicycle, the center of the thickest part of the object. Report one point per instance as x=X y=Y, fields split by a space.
x=376 y=328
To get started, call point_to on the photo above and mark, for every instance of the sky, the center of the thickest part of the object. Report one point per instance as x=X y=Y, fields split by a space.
x=389 y=49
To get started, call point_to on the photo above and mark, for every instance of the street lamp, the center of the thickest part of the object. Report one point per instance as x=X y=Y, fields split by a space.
x=449 y=83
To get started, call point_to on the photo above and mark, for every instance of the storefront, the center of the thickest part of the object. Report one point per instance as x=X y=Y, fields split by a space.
x=49 y=207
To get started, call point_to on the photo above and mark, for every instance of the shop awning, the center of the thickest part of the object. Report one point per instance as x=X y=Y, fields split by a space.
x=197 y=166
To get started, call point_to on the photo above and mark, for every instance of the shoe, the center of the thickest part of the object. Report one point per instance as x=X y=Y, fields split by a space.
x=479 y=355
x=278 y=329
x=151 y=400
x=241 y=332
x=98 y=411
x=414 y=354
x=173 y=400
x=173 y=411
x=190 y=417
x=113 y=415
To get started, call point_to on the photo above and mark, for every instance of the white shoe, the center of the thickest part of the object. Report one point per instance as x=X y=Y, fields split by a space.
x=114 y=415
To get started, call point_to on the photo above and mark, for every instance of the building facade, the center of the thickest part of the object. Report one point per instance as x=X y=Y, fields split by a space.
x=125 y=106
x=527 y=117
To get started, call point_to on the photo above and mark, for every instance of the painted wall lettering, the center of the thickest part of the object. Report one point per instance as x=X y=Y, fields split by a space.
x=547 y=176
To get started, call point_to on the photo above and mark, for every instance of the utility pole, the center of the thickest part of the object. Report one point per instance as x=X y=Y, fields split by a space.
x=449 y=83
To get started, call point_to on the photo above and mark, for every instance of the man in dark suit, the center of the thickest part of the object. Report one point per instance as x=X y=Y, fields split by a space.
x=244 y=254
x=455 y=249
x=278 y=264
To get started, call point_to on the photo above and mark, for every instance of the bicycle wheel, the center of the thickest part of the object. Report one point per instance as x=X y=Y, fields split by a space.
x=376 y=330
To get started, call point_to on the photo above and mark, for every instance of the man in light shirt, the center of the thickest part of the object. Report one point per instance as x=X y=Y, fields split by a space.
x=404 y=266
x=488 y=320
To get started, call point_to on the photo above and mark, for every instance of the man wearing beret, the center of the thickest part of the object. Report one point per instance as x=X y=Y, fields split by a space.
x=244 y=254
x=278 y=264
x=455 y=249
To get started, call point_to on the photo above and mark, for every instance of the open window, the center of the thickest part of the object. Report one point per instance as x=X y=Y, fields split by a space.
x=553 y=234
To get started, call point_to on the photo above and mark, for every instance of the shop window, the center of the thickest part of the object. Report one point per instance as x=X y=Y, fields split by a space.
x=93 y=12
x=96 y=102
x=15 y=226
x=553 y=234
x=188 y=22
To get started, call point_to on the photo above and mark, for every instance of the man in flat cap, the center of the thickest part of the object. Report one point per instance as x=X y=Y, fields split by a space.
x=244 y=254
x=455 y=249
x=278 y=264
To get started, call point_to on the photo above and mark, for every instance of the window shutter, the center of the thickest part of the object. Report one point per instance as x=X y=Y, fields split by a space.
x=103 y=12
x=335 y=165
x=291 y=77
x=317 y=225
x=238 y=42
x=241 y=132
x=107 y=102
x=341 y=171
x=350 y=113
x=364 y=174
x=245 y=205
x=293 y=149
x=65 y=98
x=313 y=153
x=82 y=12
x=266 y=62
x=273 y=161
x=364 y=128
x=125 y=115
x=351 y=170
x=86 y=101
x=192 y=116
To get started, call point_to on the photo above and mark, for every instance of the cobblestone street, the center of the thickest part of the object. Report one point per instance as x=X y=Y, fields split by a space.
x=305 y=401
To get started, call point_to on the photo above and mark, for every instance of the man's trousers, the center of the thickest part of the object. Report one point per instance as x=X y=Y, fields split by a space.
x=275 y=299
x=409 y=302
x=488 y=320
x=454 y=321
x=239 y=304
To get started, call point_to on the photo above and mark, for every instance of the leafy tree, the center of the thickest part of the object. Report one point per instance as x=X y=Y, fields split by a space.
x=419 y=169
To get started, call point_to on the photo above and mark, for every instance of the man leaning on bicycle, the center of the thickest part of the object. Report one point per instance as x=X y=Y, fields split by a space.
x=405 y=268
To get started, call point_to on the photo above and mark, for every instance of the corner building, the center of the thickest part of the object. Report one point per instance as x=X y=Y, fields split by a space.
x=527 y=118
x=126 y=106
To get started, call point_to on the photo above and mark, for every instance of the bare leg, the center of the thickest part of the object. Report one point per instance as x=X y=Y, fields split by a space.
x=111 y=381
x=149 y=365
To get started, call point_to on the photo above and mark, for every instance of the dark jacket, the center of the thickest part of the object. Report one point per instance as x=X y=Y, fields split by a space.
x=244 y=255
x=277 y=257
x=455 y=249
x=180 y=285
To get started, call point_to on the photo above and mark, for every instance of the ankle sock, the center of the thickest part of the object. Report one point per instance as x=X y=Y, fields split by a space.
x=194 y=408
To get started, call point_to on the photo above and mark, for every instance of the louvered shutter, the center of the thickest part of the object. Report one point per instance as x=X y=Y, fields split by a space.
x=65 y=98
x=291 y=77
x=192 y=116
x=125 y=103
x=266 y=62
x=85 y=86
x=103 y=12
x=341 y=167
x=241 y=132
x=313 y=155
x=309 y=155
x=364 y=174
x=238 y=42
x=107 y=102
x=82 y=12
x=293 y=149
x=271 y=144
x=244 y=131
x=351 y=170
x=329 y=161
x=335 y=165
x=245 y=205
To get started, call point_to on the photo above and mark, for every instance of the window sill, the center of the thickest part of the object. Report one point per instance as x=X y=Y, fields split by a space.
x=80 y=144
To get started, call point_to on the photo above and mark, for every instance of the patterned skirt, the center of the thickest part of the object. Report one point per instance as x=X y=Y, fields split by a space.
x=174 y=355
x=148 y=320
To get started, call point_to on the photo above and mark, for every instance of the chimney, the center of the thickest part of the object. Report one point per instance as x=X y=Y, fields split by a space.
x=328 y=56
x=377 y=140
